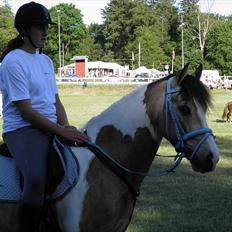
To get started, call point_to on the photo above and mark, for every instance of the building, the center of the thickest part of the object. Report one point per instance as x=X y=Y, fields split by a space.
x=84 y=68
x=80 y=67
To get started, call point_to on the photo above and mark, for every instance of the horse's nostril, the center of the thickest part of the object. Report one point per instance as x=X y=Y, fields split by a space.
x=210 y=158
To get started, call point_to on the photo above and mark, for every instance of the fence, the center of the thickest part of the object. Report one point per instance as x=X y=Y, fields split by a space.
x=224 y=82
x=103 y=81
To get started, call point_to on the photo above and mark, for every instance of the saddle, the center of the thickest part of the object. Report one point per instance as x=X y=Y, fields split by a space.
x=63 y=171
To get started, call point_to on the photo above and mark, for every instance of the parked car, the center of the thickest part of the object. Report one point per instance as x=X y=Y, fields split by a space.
x=112 y=78
x=141 y=77
x=70 y=79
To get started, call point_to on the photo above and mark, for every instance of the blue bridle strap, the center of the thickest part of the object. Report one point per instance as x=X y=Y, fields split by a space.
x=98 y=150
x=182 y=136
x=169 y=109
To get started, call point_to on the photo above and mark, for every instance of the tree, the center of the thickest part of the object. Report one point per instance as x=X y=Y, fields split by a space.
x=167 y=26
x=7 y=30
x=90 y=49
x=122 y=19
x=72 y=32
x=197 y=28
x=204 y=24
x=218 y=47
x=152 y=55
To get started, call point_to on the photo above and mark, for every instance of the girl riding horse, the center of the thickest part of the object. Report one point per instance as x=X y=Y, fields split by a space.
x=32 y=110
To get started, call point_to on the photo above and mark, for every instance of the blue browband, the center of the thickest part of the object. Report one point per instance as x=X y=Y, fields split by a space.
x=182 y=136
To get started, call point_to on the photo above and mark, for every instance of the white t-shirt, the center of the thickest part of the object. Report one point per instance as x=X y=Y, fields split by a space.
x=27 y=76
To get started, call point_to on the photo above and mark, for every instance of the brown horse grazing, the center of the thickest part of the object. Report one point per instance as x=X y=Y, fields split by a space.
x=227 y=111
x=130 y=132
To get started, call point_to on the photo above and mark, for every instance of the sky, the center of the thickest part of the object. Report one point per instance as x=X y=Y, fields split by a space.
x=91 y=9
x=223 y=7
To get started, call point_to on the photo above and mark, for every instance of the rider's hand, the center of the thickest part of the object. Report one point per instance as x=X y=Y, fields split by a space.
x=71 y=136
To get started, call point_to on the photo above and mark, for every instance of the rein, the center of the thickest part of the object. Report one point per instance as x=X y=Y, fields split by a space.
x=94 y=147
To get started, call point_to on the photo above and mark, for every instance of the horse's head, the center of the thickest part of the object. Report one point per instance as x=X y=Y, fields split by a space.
x=185 y=101
x=185 y=126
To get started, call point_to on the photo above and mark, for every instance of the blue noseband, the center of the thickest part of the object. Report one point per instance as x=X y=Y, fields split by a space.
x=182 y=136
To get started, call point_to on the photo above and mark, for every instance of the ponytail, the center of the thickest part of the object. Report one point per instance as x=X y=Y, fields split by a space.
x=13 y=44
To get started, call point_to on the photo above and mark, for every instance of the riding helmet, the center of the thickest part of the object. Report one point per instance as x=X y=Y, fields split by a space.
x=30 y=13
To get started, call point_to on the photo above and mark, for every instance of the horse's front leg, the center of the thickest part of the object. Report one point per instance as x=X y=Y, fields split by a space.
x=228 y=120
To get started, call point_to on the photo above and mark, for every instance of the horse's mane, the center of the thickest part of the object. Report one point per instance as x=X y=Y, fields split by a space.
x=193 y=88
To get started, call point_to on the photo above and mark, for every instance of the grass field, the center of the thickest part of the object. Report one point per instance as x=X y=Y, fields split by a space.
x=180 y=202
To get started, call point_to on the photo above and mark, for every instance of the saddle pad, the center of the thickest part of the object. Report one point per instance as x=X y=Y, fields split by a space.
x=10 y=189
x=9 y=180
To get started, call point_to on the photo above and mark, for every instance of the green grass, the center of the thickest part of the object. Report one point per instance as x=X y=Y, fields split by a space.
x=180 y=202
x=188 y=201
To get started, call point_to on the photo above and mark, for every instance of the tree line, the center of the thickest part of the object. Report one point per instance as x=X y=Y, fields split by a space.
x=137 y=32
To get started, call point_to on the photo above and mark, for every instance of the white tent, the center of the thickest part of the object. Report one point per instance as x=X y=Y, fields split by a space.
x=155 y=71
x=95 y=64
x=141 y=69
x=69 y=66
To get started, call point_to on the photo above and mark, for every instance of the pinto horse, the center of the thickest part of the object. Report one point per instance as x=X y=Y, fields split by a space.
x=130 y=132
x=227 y=111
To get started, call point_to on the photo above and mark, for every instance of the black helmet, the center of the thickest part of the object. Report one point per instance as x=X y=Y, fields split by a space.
x=30 y=13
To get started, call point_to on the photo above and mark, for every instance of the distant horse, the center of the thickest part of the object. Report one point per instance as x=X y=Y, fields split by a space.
x=130 y=132
x=227 y=111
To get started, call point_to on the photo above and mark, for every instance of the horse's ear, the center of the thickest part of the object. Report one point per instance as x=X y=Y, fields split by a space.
x=198 y=72
x=182 y=73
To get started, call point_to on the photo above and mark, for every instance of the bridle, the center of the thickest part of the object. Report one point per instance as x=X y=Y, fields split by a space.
x=182 y=136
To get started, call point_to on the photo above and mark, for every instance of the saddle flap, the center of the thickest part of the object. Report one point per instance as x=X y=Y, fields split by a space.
x=56 y=171
x=64 y=170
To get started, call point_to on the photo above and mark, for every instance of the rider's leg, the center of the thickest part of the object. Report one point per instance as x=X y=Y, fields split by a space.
x=30 y=147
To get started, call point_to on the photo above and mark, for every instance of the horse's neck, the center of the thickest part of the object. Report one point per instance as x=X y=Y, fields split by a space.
x=127 y=115
x=124 y=130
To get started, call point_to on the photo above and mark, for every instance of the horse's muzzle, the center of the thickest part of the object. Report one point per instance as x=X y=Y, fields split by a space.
x=203 y=165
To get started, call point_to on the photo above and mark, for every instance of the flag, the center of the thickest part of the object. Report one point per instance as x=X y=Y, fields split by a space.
x=173 y=54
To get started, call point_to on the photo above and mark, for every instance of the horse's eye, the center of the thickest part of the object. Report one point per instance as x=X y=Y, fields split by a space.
x=184 y=110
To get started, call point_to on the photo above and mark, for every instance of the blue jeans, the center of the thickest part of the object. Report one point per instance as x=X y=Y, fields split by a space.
x=30 y=148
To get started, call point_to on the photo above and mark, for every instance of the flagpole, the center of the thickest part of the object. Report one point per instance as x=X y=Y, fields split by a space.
x=173 y=58
x=172 y=66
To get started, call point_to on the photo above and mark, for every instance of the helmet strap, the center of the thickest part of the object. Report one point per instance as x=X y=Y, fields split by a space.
x=33 y=44
x=25 y=33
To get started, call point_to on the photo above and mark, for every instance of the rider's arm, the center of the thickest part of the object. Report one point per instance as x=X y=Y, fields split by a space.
x=41 y=122
x=62 y=118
